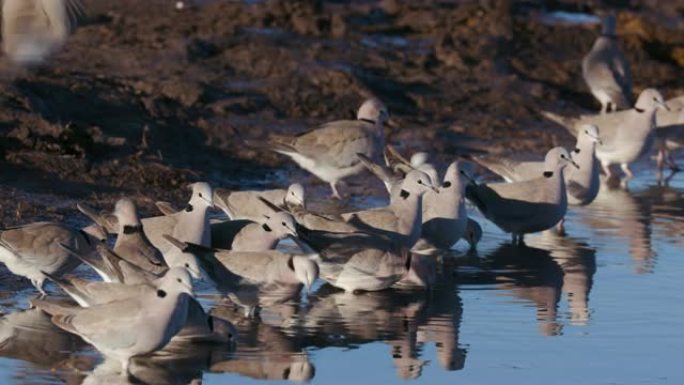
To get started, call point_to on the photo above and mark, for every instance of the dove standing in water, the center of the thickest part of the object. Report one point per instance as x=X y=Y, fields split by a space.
x=625 y=135
x=255 y=279
x=529 y=206
x=189 y=225
x=34 y=29
x=444 y=214
x=246 y=204
x=131 y=242
x=131 y=327
x=329 y=151
x=606 y=71
x=253 y=236
x=582 y=184
x=30 y=250
x=403 y=218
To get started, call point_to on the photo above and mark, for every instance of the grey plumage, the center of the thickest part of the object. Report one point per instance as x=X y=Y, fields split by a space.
x=625 y=135
x=246 y=205
x=529 y=206
x=32 y=249
x=329 y=151
x=606 y=71
x=127 y=328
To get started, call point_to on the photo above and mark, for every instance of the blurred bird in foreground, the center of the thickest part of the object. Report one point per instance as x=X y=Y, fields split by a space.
x=34 y=29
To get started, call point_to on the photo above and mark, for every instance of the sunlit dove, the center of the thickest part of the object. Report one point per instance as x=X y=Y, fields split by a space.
x=127 y=328
x=32 y=249
x=329 y=151
x=625 y=135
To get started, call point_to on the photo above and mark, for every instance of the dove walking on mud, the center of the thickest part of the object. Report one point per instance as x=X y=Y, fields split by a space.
x=526 y=207
x=34 y=29
x=606 y=71
x=625 y=135
x=127 y=328
x=33 y=249
x=329 y=151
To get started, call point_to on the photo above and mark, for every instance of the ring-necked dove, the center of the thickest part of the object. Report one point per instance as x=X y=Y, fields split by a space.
x=606 y=71
x=34 y=29
x=245 y=235
x=32 y=249
x=329 y=151
x=582 y=184
x=246 y=204
x=111 y=267
x=625 y=135
x=127 y=328
x=444 y=213
x=529 y=206
x=198 y=327
x=357 y=261
x=402 y=219
x=255 y=279
x=131 y=242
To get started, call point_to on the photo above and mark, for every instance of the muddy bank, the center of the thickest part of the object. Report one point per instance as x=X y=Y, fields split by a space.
x=145 y=98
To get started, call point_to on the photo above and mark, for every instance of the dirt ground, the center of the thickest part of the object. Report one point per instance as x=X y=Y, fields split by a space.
x=145 y=98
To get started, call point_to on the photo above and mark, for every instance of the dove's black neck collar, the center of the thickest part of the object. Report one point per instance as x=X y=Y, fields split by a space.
x=548 y=174
x=371 y=121
x=132 y=229
x=639 y=110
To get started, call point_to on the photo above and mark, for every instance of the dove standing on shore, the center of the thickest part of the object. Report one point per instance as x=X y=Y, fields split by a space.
x=32 y=249
x=34 y=29
x=625 y=135
x=526 y=207
x=606 y=71
x=329 y=151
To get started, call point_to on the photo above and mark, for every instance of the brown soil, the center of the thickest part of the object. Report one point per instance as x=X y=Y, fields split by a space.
x=145 y=98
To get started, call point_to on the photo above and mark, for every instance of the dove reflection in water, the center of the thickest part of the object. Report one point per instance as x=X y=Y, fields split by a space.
x=263 y=352
x=578 y=262
x=617 y=213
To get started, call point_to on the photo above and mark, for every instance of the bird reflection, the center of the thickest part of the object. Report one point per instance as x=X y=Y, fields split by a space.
x=404 y=320
x=578 y=262
x=667 y=210
x=525 y=272
x=263 y=351
x=624 y=215
x=29 y=335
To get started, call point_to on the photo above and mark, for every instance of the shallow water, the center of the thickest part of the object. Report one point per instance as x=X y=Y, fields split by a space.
x=603 y=304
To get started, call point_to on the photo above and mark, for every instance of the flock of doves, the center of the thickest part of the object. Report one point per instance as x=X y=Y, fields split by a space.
x=145 y=296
